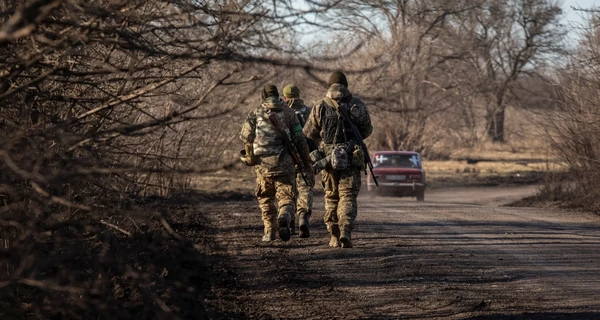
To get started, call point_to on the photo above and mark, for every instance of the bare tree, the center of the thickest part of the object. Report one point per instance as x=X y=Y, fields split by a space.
x=510 y=39
x=412 y=80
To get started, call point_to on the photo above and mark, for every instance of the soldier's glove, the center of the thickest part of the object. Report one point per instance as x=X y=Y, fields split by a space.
x=321 y=164
x=248 y=160
x=315 y=156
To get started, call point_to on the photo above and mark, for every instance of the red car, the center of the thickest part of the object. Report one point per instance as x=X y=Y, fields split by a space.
x=399 y=173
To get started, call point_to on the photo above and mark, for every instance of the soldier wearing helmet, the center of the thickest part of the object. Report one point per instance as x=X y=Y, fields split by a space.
x=341 y=177
x=264 y=147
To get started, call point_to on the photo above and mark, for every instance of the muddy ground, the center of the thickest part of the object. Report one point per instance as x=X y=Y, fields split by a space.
x=461 y=254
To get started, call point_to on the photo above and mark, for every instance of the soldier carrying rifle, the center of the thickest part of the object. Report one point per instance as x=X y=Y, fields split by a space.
x=274 y=143
x=304 y=201
x=338 y=123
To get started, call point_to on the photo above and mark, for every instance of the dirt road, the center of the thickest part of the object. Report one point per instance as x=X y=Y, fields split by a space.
x=458 y=255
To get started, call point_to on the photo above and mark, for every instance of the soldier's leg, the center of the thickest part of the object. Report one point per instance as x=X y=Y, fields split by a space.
x=286 y=202
x=304 y=202
x=265 y=194
x=348 y=188
x=330 y=185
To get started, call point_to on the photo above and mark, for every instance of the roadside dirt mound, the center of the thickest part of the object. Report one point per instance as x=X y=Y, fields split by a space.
x=129 y=267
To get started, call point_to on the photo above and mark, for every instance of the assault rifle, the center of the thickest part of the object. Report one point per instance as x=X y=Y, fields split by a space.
x=288 y=143
x=358 y=136
x=312 y=146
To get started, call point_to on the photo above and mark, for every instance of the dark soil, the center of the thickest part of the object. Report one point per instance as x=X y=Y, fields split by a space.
x=200 y=256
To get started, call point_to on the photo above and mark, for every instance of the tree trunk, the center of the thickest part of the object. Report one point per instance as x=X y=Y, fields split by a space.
x=495 y=125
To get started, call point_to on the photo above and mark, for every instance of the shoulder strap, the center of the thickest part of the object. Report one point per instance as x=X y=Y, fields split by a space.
x=332 y=103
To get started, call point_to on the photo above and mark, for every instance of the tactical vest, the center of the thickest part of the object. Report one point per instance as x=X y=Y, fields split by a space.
x=335 y=129
x=268 y=141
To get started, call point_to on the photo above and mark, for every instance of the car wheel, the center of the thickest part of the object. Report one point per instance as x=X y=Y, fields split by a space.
x=421 y=195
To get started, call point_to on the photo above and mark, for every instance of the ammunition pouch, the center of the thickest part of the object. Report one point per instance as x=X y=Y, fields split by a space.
x=339 y=157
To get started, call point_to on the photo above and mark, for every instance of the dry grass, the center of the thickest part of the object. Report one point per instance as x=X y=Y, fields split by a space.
x=525 y=141
x=496 y=167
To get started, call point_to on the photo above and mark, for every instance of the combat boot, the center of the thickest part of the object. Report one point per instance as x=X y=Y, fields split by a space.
x=284 y=227
x=334 y=242
x=334 y=230
x=303 y=224
x=292 y=227
x=345 y=239
x=269 y=235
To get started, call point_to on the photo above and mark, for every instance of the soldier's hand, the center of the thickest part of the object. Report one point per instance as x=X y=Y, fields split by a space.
x=247 y=159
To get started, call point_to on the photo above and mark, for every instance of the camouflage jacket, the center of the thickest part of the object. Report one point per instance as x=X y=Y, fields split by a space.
x=323 y=119
x=267 y=143
x=301 y=110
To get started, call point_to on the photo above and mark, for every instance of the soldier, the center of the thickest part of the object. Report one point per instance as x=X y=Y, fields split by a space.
x=341 y=176
x=264 y=147
x=304 y=200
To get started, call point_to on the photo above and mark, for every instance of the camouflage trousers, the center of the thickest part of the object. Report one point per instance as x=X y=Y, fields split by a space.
x=304 y=199
x=341 y=190
x=276 y=197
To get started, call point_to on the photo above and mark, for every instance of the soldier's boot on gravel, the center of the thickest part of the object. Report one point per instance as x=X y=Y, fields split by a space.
x=345 y=239
x=269 y=235
x=303 y=224
x=334 y=230
x=284 y=227
x=334 y=242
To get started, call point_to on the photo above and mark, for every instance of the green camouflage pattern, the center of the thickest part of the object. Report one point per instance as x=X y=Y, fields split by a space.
x=276 y=197
x=341 y=186
x=305 y=193
x=268 y=145
x=341 y=190
x=275 y=171
x=358 y=112
x=300 y=108
x=304 y=201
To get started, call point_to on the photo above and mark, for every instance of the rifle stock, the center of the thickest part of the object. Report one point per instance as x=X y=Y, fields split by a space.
x=288 y=144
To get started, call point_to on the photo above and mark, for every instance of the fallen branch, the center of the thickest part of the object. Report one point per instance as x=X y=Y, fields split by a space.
x=116 y=228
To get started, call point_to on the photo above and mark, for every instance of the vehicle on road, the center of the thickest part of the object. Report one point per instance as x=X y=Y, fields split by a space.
x=399 y=173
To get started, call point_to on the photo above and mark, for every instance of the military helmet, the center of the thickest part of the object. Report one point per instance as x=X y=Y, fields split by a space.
x=291 y=91
x=270 y=90
x=338 y=77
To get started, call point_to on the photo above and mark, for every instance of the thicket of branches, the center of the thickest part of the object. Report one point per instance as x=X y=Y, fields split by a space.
x=107 y=102
x=440 y=74
x=573 y=125
x=101 y=102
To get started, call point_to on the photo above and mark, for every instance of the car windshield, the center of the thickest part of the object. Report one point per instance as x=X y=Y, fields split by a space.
x=397 y=160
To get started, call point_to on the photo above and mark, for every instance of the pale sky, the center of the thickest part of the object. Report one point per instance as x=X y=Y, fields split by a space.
x=573 y=19
x=573 y=16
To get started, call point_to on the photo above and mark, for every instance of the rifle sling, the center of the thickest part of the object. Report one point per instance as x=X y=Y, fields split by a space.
x=335 y=105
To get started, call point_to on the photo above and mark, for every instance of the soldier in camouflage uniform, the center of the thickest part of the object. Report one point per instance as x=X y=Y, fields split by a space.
x=291 y=95
x=275 y=168
x=326 y=126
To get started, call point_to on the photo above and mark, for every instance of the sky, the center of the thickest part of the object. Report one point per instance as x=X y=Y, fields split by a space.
x=573 y=19
x=571 y=16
